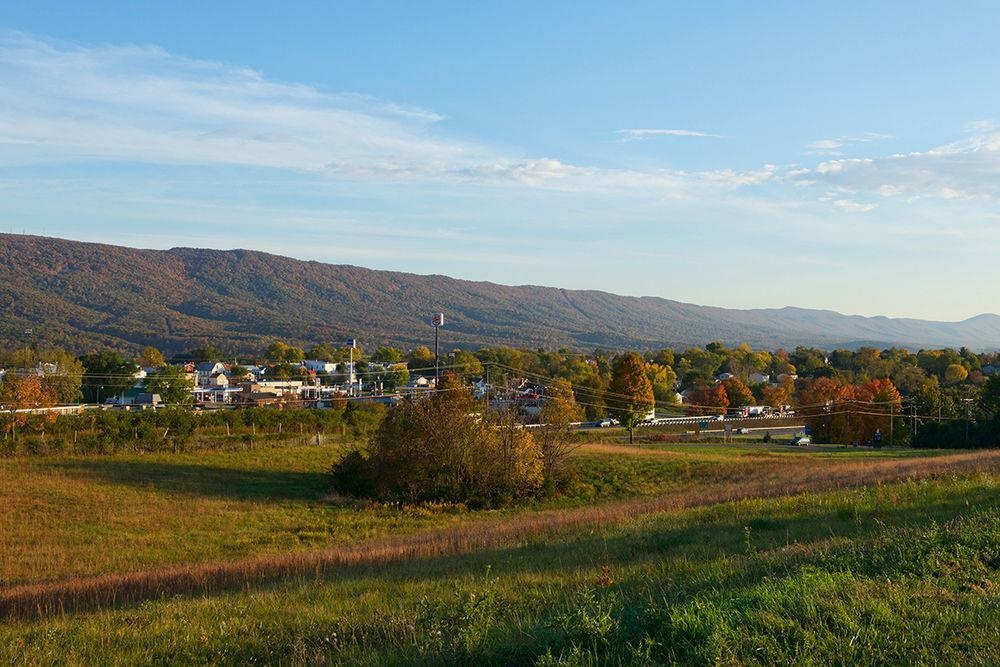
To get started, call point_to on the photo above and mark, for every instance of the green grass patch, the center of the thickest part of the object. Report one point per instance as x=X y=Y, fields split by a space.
x=65 y=516
x=901 y=573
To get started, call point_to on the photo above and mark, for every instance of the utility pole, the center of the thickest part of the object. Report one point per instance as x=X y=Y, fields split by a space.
x=968 y=418
x=438 y=322
x=891 y=420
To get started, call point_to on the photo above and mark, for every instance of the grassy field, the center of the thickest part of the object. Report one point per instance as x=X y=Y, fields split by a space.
x=693 y=553
x=63 y=517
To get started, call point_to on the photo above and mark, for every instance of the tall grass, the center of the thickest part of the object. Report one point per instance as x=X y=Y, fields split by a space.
x=894 y=573
x=751 y=479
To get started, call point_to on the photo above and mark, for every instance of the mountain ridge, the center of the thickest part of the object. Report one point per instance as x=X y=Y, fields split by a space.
x=85 y=296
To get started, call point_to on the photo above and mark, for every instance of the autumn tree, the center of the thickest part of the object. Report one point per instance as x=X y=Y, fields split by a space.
x=554 y=434
x=630 y=395
x=19 y=395
x=389 y=355
x=955 y=373
x=511 y=462
x=886 y=401
x=780 y=364
x=738 y=393
x=664 y=357
x=779 y=394
x=280 y=353
x=420 y=357
x=438 y=448
x=61 y=372
x=466 y=363
x=150 y=357
x=707 y=398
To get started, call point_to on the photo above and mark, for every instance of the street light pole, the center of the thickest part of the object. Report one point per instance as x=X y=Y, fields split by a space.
x=351 y=344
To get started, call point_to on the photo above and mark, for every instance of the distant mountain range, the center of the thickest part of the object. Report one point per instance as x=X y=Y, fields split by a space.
x=87 y=296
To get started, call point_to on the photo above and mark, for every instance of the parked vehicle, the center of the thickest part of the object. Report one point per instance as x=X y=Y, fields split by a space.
x=801 y=440
x=742 y=430
x=608 y=422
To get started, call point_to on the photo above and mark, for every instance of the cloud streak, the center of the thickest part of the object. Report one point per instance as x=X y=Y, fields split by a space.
x=64 y=103
x=72 y=104
x=637 y=134
x=833 y=146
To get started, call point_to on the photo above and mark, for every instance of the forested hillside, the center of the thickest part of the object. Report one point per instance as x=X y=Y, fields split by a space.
x=84 y=296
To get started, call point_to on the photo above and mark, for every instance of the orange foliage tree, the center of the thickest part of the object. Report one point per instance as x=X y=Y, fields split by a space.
x=738 y=393
x=630 y=396
x=708 y=399
x=20 y=396
x=848 y=413
x=779 y=395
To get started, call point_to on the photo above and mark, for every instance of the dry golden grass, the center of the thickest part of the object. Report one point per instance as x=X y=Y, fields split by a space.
x=751 y=478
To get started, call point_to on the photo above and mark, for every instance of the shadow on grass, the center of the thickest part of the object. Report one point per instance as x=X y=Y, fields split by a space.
x=644 y=578
x=754 y=532
x=694 y=536
x=202 y=480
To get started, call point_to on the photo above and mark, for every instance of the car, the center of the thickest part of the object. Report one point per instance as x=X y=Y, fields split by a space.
x=742 y=431
x=607 y=422
x=801 y=440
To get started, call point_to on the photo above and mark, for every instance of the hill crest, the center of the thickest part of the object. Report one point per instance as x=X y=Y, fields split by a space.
x=85 y=296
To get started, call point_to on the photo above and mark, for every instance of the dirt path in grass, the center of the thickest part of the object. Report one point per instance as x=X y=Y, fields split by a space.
x=787 y=477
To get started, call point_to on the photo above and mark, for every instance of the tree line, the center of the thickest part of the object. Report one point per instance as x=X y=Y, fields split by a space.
x=938 y=386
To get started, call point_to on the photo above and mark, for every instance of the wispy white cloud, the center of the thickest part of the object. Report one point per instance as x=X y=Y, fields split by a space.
x=836 y=146
x=852 y=206
x=132 y=103
x=70 y=103
x=969 y=168
x=635 y=134
x=825 y=144
x=978 y=126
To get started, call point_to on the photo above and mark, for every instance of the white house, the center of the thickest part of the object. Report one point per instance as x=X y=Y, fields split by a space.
x=206 y=370
x=319 y=366
x=481 y=388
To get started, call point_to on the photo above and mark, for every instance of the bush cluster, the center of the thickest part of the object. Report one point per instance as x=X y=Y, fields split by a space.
x=108 y=431
x=441 y=448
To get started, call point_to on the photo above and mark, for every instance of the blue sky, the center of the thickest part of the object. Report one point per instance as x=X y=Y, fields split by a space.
x=731 y=154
